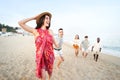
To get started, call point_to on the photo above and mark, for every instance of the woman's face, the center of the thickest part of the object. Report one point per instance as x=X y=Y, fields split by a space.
x=76 y=37
x=47 y=21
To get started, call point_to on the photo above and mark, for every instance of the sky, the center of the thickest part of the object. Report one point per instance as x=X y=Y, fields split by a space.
x=84 y=17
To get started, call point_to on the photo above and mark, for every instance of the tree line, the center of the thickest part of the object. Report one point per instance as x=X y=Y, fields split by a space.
x=8 y=28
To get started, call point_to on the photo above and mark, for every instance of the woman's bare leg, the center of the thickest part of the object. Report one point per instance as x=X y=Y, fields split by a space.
x=43 y=75
x=49 y=76
x=85 y=54
x=76 y=52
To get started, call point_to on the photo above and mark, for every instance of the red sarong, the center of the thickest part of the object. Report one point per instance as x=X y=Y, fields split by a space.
x=44 y=52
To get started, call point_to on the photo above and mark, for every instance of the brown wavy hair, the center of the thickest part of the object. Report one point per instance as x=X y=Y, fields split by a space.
x=41 y=22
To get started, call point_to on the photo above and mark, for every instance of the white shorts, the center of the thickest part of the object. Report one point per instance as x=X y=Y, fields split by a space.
x=95 y=52
x=85 y=50
x=58 y=53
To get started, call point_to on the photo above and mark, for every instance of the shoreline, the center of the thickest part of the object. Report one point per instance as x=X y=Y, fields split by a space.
x=107 y=52
x=112 y=58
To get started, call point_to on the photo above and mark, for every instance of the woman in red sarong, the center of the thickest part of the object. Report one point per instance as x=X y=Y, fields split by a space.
x=44 y=41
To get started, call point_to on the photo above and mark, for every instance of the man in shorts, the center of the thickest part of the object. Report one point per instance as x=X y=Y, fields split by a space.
x=58 y=51
x=85 y=46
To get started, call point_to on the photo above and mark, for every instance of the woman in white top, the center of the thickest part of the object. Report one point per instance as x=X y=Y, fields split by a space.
x=76 y=45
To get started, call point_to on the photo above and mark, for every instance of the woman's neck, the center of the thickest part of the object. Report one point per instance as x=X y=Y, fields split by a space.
x=43 y=27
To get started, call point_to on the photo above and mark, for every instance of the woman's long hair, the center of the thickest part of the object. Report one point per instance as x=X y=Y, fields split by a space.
x=41 y=22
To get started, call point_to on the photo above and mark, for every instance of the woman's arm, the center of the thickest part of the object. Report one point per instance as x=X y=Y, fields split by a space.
x=23 y=24
x=80 y=47
x=26 y=27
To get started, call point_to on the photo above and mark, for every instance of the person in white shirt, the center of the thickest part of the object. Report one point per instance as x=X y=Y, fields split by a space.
x=58 y=51
x=96 y=49
x=76 y=45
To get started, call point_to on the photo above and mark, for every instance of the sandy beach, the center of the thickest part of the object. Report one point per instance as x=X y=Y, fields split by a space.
x=17 y=62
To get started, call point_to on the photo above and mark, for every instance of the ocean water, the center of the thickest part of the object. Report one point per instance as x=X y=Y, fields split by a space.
x=110 y=43
x=111 y=46
x=112 y=50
